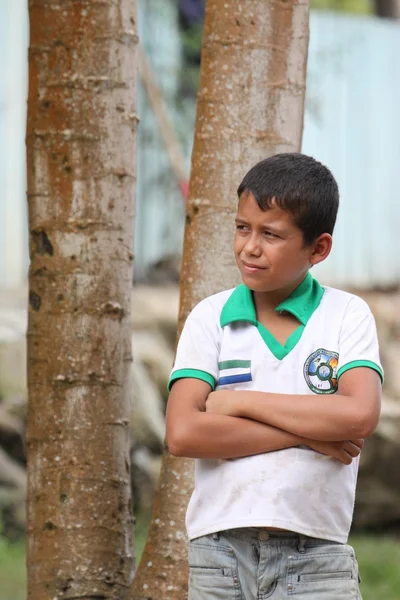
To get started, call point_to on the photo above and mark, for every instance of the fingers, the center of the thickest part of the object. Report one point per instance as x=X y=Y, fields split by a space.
x=352 y=449
x=345 y=458
x=349 y=450
x=358 y=442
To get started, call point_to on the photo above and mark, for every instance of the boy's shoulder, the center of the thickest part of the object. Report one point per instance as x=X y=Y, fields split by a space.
x=344 y=306
x=340 y=300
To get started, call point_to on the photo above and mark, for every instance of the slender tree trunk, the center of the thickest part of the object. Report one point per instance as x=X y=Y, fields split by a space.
x=81 y=175
x=250 y=105
x=387 y=8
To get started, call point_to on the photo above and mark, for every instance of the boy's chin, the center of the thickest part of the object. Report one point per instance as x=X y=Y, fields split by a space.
x=259 y=289
x=257 y=285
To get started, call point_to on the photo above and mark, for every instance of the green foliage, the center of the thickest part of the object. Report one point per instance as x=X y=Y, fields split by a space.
x=378 y=558
x=191 y=45
x=361 y=7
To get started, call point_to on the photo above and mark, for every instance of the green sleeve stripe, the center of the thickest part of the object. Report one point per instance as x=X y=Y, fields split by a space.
x=361 y=363
x=191 y=373
x=234 y=364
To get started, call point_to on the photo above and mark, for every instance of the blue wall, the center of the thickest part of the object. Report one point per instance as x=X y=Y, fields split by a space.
x=13 y=95
x=353 y=125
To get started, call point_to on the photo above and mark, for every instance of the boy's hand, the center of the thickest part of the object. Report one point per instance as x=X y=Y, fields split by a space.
x=343 y=451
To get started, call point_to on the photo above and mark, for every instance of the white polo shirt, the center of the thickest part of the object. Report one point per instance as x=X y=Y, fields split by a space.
x=223 y=344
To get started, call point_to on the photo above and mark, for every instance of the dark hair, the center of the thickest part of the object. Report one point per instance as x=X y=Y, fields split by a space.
x=298 y=184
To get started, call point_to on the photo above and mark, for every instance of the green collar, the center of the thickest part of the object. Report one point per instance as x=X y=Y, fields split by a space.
x=301 y=303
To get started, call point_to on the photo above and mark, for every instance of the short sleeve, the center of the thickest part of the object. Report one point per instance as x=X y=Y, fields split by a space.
x=358 y=342
x=199 y=346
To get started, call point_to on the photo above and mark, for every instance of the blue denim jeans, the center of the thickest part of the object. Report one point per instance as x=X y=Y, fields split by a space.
x=255 y=564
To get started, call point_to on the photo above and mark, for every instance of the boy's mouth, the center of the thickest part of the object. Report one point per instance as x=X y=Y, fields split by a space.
x=251 y=268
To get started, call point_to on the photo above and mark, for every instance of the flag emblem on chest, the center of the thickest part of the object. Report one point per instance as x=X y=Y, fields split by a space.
x=234 y=371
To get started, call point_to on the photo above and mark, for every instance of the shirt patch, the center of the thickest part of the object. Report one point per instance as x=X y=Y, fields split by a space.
x=234 y=371
x=320 y=371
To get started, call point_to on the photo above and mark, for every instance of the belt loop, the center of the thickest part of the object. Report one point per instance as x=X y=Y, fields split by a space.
x=301 y=547
x=215 y=536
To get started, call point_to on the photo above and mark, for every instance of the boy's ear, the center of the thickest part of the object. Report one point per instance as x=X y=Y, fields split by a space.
x=321 y=248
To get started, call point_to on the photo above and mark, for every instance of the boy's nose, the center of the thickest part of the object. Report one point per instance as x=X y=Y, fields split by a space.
x=252 y=246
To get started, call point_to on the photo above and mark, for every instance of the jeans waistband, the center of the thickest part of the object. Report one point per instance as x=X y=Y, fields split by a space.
x=265 y=535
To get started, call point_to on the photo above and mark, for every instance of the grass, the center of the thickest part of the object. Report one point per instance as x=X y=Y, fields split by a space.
x=379 y=560
x=12 y=570
x=378 y=557
x=141 y=527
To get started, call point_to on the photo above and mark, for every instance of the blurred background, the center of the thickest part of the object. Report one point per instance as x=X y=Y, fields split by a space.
x=352 y=123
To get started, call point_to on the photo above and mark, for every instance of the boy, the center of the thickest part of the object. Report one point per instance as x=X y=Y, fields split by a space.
x=297 y=377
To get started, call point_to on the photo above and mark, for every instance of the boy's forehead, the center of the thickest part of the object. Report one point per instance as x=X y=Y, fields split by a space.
x=247 y=201
x=248 y=208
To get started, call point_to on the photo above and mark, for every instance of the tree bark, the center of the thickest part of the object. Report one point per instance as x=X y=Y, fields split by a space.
x=387 y=8
x=250 y=106
x=81 y=173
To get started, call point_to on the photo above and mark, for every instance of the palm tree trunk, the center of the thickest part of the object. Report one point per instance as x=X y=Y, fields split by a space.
x=250 y=105
x=81 y=174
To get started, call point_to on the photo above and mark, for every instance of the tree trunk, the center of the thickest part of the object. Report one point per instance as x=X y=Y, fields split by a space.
x=387 y=8
x=81 y=174
x=250 y=106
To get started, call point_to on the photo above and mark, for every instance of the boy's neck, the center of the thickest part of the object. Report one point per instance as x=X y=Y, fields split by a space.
x=268 y=301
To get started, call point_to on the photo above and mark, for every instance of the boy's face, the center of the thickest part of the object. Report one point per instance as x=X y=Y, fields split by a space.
x=269 y=247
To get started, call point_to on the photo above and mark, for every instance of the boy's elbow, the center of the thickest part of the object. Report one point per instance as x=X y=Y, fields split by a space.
x=182 y=433
x=367 y=428
x=176 y=443
x=366 y=425
x=174 y=447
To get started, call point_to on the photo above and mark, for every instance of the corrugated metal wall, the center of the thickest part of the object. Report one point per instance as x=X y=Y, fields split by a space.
x=352 y=124
x=13 y=92
x=160 y=210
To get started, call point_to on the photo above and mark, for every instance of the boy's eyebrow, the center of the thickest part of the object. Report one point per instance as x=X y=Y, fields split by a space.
x=272 y=227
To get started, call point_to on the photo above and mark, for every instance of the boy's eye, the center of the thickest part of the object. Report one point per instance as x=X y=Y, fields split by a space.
x=270 y=234
x=241 y=227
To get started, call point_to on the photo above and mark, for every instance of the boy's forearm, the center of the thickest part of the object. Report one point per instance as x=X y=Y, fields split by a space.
x=308 y=416
x=220 y=436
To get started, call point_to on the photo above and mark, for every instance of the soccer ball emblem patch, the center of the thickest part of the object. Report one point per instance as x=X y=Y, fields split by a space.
x=320 y=371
